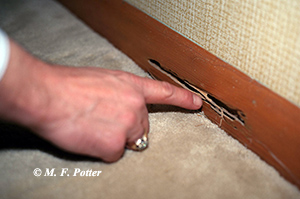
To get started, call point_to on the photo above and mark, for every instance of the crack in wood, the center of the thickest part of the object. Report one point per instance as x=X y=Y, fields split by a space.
x=218 y=106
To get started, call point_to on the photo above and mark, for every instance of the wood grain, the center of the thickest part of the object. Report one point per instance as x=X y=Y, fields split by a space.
x=272 y=124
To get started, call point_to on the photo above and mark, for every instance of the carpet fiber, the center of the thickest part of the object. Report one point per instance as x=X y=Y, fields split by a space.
x=188 y=156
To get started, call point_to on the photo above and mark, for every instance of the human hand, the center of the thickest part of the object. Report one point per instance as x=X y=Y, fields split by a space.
x=87 y=110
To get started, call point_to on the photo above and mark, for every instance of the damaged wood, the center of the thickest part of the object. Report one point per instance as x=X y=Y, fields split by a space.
x=218 y=106
x=260 y=119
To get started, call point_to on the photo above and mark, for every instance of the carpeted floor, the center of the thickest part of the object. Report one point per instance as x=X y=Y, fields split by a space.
x=188 y=157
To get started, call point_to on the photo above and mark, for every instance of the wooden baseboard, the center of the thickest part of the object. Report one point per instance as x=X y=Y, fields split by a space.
x=260 y=119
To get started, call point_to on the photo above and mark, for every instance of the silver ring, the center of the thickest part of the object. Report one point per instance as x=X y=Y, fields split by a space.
x=140 y=144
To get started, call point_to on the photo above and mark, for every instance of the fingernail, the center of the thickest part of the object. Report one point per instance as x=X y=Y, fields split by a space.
x=197 y=100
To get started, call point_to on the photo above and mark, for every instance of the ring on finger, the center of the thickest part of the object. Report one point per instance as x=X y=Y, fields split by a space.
x=140 y=144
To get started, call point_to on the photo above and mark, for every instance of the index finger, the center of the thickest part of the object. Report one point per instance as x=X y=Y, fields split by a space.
x=159 y=92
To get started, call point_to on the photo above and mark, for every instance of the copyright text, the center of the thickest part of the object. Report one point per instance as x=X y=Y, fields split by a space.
x=65 y=172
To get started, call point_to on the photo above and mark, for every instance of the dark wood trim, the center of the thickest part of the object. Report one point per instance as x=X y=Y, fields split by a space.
x=271 y=124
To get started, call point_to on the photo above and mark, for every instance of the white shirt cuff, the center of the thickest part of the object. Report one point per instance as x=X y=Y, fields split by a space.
x=4 y=52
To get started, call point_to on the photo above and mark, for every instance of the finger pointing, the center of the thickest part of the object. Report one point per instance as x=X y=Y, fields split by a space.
x=158 y=92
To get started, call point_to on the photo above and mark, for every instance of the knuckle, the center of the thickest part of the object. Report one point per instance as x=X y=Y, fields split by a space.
x=125 y=76
x=135 y=99
x=114 y=147
x=134 y=78
x=186 y=96
x=138 y=102
x=167 y=90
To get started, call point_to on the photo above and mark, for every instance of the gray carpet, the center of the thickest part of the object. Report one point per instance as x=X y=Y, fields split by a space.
x=188 y=157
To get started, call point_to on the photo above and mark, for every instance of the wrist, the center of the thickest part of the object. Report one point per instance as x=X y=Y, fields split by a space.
x=22 y=93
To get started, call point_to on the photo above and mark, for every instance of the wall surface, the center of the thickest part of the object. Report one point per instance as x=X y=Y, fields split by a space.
x=260 y=38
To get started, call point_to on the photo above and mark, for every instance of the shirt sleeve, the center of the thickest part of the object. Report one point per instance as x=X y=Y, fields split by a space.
x=4 y=53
